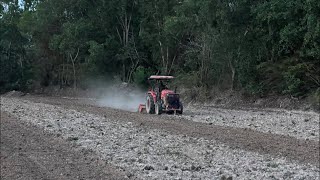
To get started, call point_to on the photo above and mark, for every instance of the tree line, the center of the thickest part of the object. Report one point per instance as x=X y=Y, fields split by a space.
x=255 y=46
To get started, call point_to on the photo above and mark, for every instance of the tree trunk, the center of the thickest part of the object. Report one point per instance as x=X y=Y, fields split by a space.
x=124 y=21
x=162 y=54
x=134 y=64
x=62 y=75
x=74 y=75
x=74 y=68
x=123 y=72
x=233 y=73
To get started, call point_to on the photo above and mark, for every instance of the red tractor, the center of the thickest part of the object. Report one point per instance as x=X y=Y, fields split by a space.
x=161 y=99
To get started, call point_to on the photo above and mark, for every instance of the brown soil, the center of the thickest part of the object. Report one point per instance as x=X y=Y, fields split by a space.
x=30 y=153
x=303 y=151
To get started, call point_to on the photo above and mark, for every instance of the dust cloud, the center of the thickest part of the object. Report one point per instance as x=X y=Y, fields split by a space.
x=121 y=96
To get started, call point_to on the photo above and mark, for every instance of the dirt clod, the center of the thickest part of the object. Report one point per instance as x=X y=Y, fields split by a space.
x=148 y=168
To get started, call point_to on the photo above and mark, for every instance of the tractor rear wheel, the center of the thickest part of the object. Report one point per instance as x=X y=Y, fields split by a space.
x=150 y=105
x=158 y=108
x=181 y=108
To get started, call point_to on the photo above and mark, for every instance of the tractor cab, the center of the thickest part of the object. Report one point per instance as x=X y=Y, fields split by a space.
x=159 y=83
x=160 y=98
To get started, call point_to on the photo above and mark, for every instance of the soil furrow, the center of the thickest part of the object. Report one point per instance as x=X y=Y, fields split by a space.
x=303 y=151
x=28 y=152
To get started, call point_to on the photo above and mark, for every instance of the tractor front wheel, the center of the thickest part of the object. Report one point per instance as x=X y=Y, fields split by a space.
x=150 y=105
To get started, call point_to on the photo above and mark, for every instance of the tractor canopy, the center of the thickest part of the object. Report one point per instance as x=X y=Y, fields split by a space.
x=159 y=83
x=154 y=77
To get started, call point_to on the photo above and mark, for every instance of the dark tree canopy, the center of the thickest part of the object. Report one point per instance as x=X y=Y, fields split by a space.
x=259 y=46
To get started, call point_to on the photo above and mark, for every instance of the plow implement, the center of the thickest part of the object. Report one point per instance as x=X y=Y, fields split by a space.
x=142 y=108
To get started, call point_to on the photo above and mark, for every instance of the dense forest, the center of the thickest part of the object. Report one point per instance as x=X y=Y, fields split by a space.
x=256 y=46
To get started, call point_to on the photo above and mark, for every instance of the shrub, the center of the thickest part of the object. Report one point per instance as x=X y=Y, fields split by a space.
x=141 y=75
x=293 y=79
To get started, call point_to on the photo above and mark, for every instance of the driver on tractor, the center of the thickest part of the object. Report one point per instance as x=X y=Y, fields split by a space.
x=162 y=86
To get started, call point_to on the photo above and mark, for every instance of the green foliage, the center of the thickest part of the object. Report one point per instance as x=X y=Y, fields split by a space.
x=14 y=64
x=189 y=79
x=293 y=80
x=141 y=75
x=290 y=65
x=316 y=98
x=258 y=46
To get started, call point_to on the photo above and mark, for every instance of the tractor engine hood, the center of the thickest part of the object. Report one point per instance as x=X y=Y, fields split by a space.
x=165 y=92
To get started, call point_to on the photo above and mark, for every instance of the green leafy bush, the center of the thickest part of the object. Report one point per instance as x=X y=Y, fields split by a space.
x=140 y=76
x=294 y=80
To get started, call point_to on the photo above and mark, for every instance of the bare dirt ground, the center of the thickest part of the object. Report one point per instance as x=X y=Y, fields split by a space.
x=28 y=152
x=197 y=145
x=299 y=124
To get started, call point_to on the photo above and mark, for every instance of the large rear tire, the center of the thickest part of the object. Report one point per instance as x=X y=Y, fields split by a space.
x=150 y=107
x=181 y=108
x=158 y=108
